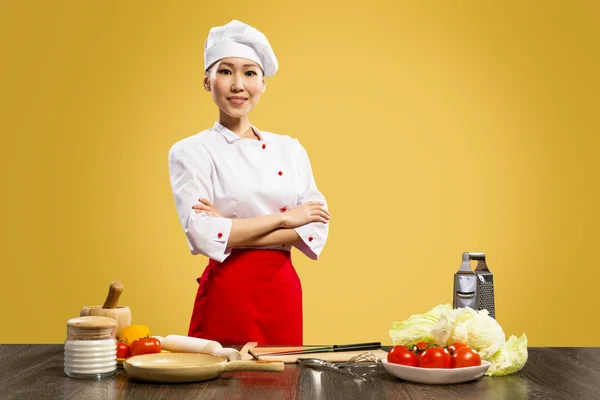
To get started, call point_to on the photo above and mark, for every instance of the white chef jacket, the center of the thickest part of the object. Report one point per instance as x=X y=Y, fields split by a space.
x=243 y=178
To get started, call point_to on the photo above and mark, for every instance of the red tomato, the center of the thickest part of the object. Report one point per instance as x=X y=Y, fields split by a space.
x=145 y=345
x=465 y=357
x=435 y=357
x=455 y=346
x=420 y=346
x=123 y=350
x=402 y=355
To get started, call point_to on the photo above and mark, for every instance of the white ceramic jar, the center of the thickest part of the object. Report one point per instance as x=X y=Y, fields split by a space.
x=91 y=347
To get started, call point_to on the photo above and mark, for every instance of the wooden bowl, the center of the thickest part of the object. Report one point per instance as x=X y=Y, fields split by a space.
x=121 y=314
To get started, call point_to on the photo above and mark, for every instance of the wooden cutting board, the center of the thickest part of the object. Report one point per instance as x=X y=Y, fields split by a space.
x=291 y=359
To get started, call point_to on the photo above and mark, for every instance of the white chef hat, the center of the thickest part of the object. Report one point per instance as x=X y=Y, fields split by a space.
x=237 y=39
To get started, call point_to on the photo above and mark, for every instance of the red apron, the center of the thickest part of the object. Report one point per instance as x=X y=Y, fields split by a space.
x=253 y=296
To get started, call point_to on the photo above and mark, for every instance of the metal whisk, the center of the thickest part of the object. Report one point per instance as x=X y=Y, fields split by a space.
x=363 y=366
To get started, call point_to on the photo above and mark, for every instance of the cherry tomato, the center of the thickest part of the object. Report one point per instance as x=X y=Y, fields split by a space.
x=421 y=346
x=123 y=350
x=465 y=357
x=402 y=355
x=455 y=346
x=435 y=357
x=145 y=345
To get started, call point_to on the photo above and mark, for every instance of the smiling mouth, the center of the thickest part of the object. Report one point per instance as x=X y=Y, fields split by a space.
x=237 y=100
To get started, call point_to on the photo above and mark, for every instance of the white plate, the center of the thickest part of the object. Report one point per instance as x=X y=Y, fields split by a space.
x=436 y=376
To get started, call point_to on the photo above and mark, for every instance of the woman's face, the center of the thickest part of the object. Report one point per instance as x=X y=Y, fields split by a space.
x=236 y=85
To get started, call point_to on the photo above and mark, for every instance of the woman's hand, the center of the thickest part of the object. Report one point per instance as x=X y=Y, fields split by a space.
x=206 y=207
x=312 y=211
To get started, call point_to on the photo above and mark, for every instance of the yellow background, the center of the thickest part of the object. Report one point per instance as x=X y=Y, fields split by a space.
x=433 y=128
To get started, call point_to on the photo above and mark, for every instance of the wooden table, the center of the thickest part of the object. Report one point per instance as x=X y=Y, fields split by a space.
x=36 y=372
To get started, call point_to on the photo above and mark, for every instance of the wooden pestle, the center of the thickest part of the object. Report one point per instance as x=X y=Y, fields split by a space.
x=121 y=314
x=114 y=292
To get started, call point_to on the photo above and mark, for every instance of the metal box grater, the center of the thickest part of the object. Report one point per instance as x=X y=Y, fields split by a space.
x=474 y=289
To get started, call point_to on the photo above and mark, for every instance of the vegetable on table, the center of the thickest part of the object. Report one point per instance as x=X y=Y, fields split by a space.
x=430 y=355
x=435 y=357
x=510 y=358
x=465 y=357
x=146 y=345
x=445 y=326
x=133 y=332
x=123 y=350
x=455 y=346
x=403 y=356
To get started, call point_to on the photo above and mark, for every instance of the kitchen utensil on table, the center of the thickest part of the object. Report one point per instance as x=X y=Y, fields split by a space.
x=90 y=348
x=190 y=367
x=187 y=344
x=436 y=376
x=362 y=366
x=111 y=309
x=336 y=347
x=260 y=353
x=474 y=288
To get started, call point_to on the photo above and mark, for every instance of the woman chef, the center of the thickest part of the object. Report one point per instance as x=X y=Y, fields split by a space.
x=244 y=198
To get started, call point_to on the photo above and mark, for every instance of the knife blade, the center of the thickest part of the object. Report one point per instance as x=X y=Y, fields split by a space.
x=334 y=348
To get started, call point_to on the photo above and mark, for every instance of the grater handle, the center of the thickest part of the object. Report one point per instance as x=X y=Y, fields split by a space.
x=477 y=256
x=465 y=266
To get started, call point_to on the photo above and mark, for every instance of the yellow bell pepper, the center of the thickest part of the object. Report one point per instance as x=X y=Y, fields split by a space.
x=133 y=332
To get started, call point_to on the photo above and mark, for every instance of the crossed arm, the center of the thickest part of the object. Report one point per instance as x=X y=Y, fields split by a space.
x=268 y=230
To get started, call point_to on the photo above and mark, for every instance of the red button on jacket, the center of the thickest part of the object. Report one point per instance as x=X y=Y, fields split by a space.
x=310 y=238
x=264 y=146
x=220 y=235
x=280 y=173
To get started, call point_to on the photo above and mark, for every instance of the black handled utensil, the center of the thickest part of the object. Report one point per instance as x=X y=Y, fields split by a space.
x=334 y=348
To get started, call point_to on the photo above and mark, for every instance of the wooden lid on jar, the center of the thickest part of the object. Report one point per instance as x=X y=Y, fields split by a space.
x=91 y=328
x=92 y=323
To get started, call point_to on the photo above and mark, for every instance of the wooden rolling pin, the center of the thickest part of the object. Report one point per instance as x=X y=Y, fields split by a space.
x=186 y=344
x=121 y=314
